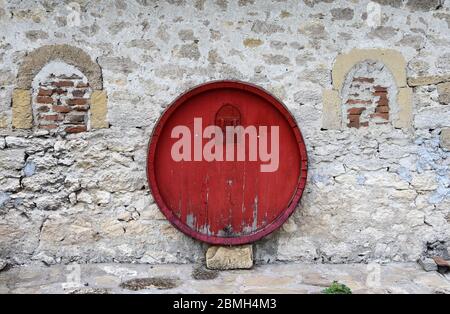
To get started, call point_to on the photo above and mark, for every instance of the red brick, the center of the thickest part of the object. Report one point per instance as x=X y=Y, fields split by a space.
x=75 y=118
x=50 y=117
x=353 y=117
x=44 y=99
x=60 y=91
x=76 y=129
x=353 y=124
x=382 y=109
x=78 y=93
x=48 y=126
x=80 y=108
x=380 y=94
x=363 y=79
x=77 y=101
x=379 y=88
x=62 y=84
x=380 y=115
x=43 y=108
x=355 y=111
x=82 y=85
x=358 y=101
x=383 y=101
x=45 y=92
x=62 y=109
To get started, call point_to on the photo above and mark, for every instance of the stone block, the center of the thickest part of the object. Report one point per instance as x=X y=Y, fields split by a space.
x=444 y=93
x=21 y=109
x=99 y=109
x=427 y=264
x=3 y=122
x=233 y=257
x=404 y=101
x=428 y=80
x=331 y=112
x=445 y=139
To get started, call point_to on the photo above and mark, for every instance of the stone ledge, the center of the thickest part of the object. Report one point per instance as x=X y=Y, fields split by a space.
x=233 y=257
x=428 y=80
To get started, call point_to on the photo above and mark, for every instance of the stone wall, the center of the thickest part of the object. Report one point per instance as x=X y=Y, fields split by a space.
x=378 y=185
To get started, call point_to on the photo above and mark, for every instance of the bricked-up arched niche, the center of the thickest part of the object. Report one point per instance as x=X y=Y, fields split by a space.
x=67 y=94
x=369 y=95
x=372 y=77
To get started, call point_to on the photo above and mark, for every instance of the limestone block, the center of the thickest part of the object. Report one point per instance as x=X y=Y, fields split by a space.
x=99 y=109
x=331 y=113
x=444 y=93
x=425 y=181
x=445 y=139
x=21 y=109
x=428 y=80
x=234 y=257
x=404 y=100
x=3 y=122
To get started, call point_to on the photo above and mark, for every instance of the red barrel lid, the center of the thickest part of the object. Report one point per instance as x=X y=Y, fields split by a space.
x=227 y=163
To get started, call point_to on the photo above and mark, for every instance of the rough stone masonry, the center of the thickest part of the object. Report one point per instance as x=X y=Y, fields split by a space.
x=83 y=83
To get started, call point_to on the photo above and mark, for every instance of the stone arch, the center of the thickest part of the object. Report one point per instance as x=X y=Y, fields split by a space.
x=38 y=58
x=394 y=62
x=35 y=61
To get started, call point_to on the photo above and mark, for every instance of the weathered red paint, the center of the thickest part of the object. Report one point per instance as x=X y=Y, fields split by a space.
x=226 y=202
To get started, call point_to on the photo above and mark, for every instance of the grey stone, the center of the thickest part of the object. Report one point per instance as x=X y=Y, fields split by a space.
x=12 y=159
x=427 y=264
x=312 y=3
x=29 y=169
x=118 y=64
x=445 y=139
x=243 y=3
x=443 y=63
x=188 y=51
x=382 y=32
x=444 y=93
x=345 y=14
x=36 y=34
x=4 y=198
x=117 y=27
x=313 y=29
x=392 y=3
x=276 y=59
x=261 y=27
x=421 y=5
x=186 y=34
x=443 y=16
x=3 y=264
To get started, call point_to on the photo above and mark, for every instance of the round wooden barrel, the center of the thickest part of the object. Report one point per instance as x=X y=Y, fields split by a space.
x=227 y=163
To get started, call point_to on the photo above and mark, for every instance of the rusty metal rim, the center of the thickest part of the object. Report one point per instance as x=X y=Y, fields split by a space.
x=173 y=219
